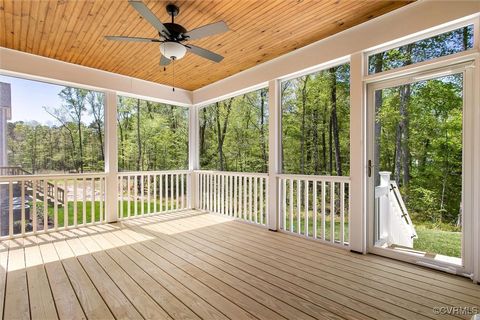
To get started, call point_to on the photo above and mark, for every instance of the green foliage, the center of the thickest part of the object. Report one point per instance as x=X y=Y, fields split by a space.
x=68 y=143
x=432 y=192
x=316 y=112
x=234 y=134
x=437 y=46
x=151 y=136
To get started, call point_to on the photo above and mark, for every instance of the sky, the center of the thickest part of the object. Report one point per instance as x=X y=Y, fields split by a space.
x=29 y=97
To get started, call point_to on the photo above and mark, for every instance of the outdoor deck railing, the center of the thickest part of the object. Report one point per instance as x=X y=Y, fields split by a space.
x=315 y=206
x=72 y=200
x=235 y=194
x=149 y=192
x=312 y=206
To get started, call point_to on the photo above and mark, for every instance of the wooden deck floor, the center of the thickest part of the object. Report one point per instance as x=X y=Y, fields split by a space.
x=190 y=265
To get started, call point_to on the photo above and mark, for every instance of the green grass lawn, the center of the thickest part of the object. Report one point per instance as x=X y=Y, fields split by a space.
x=446 y=243
x=429 y=239
x=319 y=227
x=96 y=206
x=71 y=207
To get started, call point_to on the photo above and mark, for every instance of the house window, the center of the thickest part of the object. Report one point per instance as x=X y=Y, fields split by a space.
x=49 y=128
x=316 y=123
x=444 y=44
x=151 y=135
x=234 y=133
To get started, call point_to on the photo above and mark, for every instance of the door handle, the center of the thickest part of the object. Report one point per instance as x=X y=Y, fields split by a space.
x=369 y=168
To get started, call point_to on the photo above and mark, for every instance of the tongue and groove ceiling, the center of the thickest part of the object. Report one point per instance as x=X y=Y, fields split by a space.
x=260 y=30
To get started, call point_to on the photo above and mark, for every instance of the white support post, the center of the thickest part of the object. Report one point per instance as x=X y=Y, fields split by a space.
x=274 y=153
x=357 y=224
x=476 y=174
x=111 y=157
x=193 y=158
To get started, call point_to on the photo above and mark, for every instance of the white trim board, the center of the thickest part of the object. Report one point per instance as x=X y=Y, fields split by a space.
x=30 y=66
x=411 y=20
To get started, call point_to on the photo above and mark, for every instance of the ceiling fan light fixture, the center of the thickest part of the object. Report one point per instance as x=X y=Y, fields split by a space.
x=172 y=50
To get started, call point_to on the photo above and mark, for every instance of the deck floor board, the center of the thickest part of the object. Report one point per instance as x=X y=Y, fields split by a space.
x=192 y=265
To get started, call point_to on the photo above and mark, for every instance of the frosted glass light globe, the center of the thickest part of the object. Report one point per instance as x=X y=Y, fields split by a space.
x=172 y=49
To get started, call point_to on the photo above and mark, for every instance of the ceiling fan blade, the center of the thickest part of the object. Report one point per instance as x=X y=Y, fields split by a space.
x=149 y=16
x=132 y=39
x=164 y=61
x=207 y=30
x=207 y=54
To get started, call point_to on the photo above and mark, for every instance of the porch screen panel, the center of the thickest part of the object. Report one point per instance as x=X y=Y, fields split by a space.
x=234 y=133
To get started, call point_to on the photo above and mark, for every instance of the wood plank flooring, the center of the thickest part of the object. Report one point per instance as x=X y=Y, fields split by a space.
x=191 y=265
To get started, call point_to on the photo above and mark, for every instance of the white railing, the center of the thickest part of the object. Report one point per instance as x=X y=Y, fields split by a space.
x=149 y=192
x=393 y=222
x=315 y=206
x=235 y=194
x=31 y=204
x=312 y=206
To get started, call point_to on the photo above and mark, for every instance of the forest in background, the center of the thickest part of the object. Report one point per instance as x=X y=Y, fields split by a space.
x=73 y=142
x=151 y=136
x=233 y=133
x=315 y=127
x=316 y=123
x=418 y=130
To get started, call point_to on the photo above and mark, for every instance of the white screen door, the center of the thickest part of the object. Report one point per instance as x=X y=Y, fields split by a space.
x=419 y=146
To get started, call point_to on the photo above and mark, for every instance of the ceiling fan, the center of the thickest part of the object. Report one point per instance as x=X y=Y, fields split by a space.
x=172 y=35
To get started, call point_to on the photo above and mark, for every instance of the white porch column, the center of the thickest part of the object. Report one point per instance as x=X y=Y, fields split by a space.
x=274 y=152
x=111 y=157
x=358 y=152
x=476 y=173
x=5 y=114
x=193 y=157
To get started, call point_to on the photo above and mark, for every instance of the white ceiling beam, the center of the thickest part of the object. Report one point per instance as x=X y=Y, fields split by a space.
x=29 y=66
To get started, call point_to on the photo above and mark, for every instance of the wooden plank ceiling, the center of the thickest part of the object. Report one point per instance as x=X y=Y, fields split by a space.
x=261 y=30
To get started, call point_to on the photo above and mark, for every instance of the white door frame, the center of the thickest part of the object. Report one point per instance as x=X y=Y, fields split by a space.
x=467 y=173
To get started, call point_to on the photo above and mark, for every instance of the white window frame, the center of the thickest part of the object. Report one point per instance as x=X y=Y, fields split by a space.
x=422 y=35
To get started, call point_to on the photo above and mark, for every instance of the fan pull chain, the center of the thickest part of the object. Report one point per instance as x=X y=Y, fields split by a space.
x=173 y=69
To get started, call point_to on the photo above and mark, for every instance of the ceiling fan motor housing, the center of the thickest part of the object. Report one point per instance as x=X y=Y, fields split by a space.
x=172 y=50
x=176 y=31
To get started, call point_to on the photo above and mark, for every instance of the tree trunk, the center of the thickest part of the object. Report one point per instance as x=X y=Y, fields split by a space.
x=203 y=127
x=335 y=129
x=378 y=125
x=122 y=141
x=263 y=94
x=139 y=140
x=330 y=147
x=219 y=137
x=405 y=128
x=324 y=140
x=405 y=92
x=316 y=164
x=302 y=141
x=100 y=139
x=80 y=144
x=465 y=38
x=398 y=154
x=221 y=132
